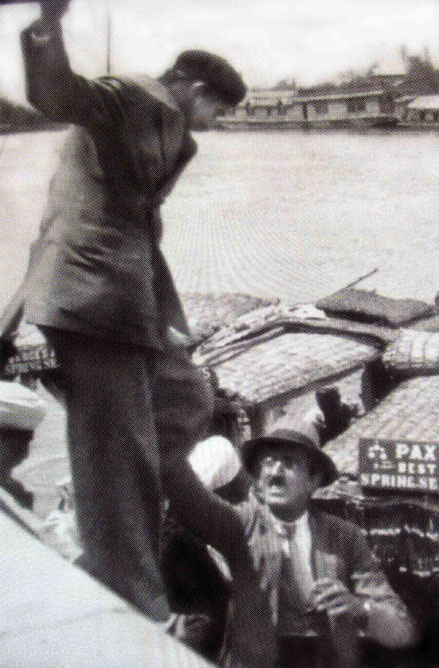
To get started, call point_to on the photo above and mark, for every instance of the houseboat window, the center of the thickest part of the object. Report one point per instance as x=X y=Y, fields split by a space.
x=280 y=108
x=249 y=109
x=356 y=105
x=321 y=107
x=386 y=104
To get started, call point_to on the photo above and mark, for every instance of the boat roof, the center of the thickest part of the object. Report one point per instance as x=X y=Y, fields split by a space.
x=409 y=412
x=425 y=102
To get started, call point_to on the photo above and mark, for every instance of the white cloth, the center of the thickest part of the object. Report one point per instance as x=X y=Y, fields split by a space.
x=309 y=311
x=28 y=336
x=20 y=408
x=215 y=462
x=60 y=529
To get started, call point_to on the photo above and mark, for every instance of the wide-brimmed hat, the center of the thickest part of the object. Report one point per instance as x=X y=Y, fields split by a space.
x=304 y=437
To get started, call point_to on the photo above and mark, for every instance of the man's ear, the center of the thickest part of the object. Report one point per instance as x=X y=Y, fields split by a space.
x=197 y=88
x=315 y=480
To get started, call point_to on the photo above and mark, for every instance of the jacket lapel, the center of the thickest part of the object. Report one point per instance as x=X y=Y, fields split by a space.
x=325 y=563
x=178 y=147
x=188 y=148
x=266 y=549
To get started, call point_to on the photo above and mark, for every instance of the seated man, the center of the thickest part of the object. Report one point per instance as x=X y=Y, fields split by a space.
x=319 y=573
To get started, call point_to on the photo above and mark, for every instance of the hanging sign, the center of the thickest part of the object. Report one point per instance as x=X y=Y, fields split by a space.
x=399 y=465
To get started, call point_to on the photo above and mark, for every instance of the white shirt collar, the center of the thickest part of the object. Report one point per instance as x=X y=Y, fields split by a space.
x=302 y=539
x=301 y=525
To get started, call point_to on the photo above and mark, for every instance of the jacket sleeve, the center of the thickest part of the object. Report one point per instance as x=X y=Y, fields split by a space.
x=389 y=623
x=60 y=94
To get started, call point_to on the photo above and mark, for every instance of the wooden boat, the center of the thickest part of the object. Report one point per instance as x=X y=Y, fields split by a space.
x=269 y=358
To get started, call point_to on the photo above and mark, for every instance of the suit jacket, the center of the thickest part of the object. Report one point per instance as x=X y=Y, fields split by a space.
x=338 y=550
x=96 y=267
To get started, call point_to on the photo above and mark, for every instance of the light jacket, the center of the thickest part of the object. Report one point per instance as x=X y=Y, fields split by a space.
x=96 y=267
x=339 y=551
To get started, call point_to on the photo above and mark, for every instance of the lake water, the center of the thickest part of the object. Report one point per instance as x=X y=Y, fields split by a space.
x=291 y=214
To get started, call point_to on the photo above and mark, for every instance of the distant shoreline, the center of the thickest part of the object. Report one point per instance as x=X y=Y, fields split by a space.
x=324 y=129
x=46 y=127
x=271 y=127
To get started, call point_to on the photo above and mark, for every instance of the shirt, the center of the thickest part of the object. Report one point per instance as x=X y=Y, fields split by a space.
x=302 y=536
x=296 y=577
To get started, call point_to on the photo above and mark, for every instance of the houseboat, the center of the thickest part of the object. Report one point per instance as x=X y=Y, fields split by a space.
x=360 y=105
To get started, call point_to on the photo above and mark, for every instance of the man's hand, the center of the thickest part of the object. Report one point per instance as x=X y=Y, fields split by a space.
x=52 y=11
x=333 y=597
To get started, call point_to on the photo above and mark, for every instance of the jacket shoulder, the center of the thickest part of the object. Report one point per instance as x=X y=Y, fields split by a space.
x=342 y=537
x=337 y=529
x=149 y=89
x=335 y=521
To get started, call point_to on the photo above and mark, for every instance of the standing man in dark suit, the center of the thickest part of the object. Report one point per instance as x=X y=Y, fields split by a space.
x=99 y=288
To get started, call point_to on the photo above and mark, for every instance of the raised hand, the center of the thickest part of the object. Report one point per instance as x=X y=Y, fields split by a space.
x=53 y=10
x=335 y=598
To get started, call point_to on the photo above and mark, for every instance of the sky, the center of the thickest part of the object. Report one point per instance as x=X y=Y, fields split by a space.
x=266 y=40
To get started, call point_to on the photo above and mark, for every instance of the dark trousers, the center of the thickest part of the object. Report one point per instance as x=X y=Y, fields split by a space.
x=300 y=652
x=132 y=416
x=333 y=650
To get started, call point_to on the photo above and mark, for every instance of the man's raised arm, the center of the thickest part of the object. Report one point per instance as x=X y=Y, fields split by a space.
x=51 y=85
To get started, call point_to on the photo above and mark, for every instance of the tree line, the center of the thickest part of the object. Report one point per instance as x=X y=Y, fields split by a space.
x=420 y=77
x=18 y=117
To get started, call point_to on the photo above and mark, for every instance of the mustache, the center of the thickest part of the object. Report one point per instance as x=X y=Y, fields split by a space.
x=276 y=479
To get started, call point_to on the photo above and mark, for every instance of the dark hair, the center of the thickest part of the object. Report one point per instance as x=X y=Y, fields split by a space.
x=16 y=435
x=219 y=76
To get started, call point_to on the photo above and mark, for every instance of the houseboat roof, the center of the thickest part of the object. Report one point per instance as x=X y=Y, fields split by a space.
x=268 y=97
x=409 y=412
x=339 y=96
x=271 y=354
x=207 y=313
x=425 y=102
x=373 y=85
x=274 y=99
x=270 y=370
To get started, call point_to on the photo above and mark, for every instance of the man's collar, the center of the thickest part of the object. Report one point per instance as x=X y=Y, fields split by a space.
x=156 y=88
x=297 y=527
